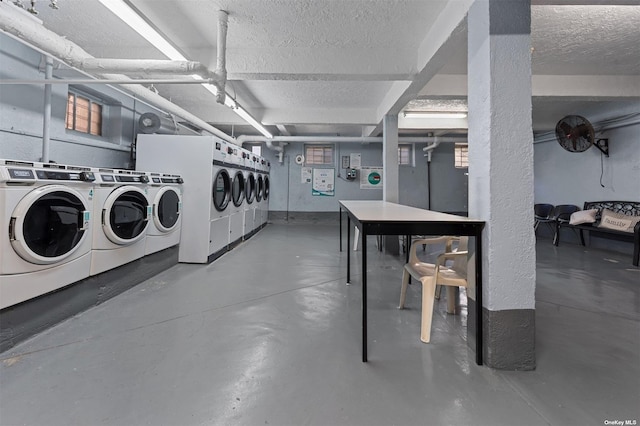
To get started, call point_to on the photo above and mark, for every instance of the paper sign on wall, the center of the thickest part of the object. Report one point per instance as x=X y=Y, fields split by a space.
x=370 y=177
x=323 y=182
x=355 y=160
x=306 y=175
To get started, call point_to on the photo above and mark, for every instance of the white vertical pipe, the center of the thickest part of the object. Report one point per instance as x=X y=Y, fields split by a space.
x=46 y=122
x=221 y=63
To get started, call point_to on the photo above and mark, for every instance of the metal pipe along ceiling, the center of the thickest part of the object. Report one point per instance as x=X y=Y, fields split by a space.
x=344 y=139
x=14 y=21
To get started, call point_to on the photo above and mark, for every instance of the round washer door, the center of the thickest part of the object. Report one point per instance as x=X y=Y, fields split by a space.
x=221 y=190
x=265 y=192
x=125 y=215
x=260 y=189
x=251 y=188
x=237 y=189
x=166 y=209
x=48 y=224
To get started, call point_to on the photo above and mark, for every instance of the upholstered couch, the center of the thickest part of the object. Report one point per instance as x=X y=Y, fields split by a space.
x=612 y=219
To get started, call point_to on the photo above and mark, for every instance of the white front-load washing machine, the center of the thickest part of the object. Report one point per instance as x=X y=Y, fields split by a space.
x=165 y=193
x=262 y=196
x=220 y=200
x=123 y=211
x=250 y=196
x=46 y=222
x=266 y=188
x=236 y=213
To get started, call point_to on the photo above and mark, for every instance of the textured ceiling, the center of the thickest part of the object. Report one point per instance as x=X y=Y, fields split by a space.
x=331 y=66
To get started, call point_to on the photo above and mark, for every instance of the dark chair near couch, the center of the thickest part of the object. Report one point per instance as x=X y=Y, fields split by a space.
x=542 y=213
x=562 y=214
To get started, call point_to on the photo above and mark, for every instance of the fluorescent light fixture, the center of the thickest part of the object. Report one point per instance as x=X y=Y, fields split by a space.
x=249 y=119
x=123 y=11
x=434 y=114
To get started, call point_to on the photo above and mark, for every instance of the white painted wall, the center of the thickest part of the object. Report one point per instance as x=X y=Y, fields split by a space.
x=563 y=177
x=289 y=194
x=21 y=116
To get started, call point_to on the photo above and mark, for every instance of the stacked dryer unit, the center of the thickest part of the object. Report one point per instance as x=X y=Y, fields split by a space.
x=236 y=214
x=123 y=210
x=203 y=235
x=165 y=193
x=262 y=210
x=249 y=227
x=46 y=219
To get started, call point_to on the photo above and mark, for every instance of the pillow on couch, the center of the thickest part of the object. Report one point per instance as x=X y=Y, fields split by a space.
x=618 y=221
x=583 y=216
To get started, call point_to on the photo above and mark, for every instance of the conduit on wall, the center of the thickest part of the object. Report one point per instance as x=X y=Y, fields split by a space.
x=283 y=140
x=28 y=29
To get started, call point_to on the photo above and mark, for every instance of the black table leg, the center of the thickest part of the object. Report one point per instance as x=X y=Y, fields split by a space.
x=340 y=219
x=348 y=249
x=479 y=327
x=407 y=247
x=364 y=294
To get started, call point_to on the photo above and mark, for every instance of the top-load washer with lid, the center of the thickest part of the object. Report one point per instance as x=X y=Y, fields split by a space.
x=165 y=194
x=123 y=211
x=46 y=223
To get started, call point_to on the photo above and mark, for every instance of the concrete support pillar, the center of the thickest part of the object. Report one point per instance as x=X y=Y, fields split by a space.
x=501 y=176
x=391 y=173
x=391 y=176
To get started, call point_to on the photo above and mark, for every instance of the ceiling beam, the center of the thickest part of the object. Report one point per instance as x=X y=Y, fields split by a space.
x=431 y=57
x=263 y=76
x=285 y=130
x=566 y=86
x=585 y=2
x=273 y=116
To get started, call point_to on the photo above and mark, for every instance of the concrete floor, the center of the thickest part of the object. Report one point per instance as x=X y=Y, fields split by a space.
x=269 y=334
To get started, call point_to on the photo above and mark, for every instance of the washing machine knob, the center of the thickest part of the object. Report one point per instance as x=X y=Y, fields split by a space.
x=144 y=178
x=179 y=180
x=87 y=177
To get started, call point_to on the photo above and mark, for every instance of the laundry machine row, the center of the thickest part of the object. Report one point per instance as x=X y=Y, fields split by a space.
x=219 y=192
x=258 y=187
x=46 y=217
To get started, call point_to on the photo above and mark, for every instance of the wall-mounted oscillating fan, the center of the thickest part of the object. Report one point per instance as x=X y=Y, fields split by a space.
x=576 y=134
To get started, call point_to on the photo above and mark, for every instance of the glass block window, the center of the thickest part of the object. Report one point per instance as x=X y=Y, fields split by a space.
x=404 y=155
x=461 y=154
x=256 y=149
x=319 y=154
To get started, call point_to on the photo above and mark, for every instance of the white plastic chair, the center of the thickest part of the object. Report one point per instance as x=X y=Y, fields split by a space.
x=431 y=275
